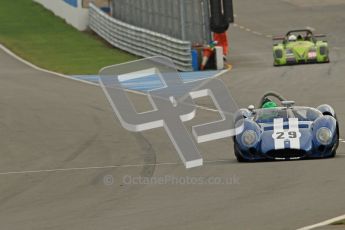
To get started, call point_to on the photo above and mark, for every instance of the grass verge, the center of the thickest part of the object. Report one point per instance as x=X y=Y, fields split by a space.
x=37 y=35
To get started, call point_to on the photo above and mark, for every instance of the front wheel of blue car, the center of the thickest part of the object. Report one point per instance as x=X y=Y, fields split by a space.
x=238 y=155
x=335 y=147
x=334 y=152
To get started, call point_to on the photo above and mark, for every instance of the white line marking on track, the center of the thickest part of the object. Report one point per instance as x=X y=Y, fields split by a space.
x=324 y=223
x=252 y=31
x=257 y=33
x=95 y=168
x=9 y=52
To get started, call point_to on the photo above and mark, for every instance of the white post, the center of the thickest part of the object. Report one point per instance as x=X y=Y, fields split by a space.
x=219 y=57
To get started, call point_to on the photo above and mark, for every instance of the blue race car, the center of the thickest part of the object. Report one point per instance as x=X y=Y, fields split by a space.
x=285 y=131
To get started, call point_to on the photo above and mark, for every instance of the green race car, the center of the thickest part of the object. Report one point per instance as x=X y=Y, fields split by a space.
x=300 y=46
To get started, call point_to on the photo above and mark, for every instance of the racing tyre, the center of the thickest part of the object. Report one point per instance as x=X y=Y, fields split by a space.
x=238 y=155
x=334 y=151
x=335 y=148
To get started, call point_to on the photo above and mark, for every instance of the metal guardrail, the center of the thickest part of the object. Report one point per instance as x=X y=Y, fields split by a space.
x=139 y=41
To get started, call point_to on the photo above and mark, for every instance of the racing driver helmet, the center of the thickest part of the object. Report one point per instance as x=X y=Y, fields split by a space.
x=267 y=104
x=292 y=38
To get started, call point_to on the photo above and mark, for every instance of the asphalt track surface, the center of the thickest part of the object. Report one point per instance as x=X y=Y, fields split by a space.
x=48 y=123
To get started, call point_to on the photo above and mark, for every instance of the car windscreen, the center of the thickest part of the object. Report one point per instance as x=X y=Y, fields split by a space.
x=302 y=113
x=301 y=35
x=268 y=115
x=306 y=114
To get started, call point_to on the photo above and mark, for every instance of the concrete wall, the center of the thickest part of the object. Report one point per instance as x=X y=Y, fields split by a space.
x=76 y=16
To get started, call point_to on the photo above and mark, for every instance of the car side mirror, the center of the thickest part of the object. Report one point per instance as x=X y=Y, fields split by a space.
x=251 y=108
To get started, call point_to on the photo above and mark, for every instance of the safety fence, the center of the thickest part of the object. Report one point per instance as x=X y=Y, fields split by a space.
x=182 y=19
x=140 y=41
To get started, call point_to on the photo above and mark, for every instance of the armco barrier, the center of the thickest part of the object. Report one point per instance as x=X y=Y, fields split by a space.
x=140 y=41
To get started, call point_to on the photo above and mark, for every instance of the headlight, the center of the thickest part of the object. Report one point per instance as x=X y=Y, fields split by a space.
x=249 y=138
x=278 y=53
x=324 y=136
x=323 y=50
